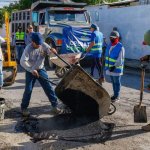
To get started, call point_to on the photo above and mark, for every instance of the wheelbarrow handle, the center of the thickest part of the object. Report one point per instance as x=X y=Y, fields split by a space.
x=62 y=60
x=47 y=80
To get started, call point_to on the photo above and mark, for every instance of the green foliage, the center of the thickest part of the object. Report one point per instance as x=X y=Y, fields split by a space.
x=94 y=2
x=90 y=2
x=1 y=17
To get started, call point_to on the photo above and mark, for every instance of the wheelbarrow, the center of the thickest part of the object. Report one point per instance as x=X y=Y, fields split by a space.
x=82 y=94
x=62 y=67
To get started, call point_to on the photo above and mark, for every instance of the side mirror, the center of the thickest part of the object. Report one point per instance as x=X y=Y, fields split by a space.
x=88 y=17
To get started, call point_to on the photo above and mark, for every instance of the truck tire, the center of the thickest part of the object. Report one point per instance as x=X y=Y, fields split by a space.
x=48 y=63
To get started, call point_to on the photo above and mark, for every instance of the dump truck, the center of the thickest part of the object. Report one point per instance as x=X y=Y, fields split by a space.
x=53 y=19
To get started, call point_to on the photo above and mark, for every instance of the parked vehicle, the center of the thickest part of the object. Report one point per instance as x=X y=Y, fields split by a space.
x=53 y=20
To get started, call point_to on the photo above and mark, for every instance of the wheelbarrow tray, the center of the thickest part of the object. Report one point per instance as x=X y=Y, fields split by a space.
x=71 y=58
x=82 y=94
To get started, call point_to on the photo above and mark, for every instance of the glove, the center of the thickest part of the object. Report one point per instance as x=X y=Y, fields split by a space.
x=111 y=69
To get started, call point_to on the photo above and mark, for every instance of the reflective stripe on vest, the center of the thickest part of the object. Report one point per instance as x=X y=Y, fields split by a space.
x=112 y=58
x=97 y=47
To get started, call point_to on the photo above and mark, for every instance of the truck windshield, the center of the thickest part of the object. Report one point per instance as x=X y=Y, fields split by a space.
x=66 y=16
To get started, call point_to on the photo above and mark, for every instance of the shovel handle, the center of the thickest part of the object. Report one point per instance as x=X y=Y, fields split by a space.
x=62 y=60
x=47 y=80
x=142 y=85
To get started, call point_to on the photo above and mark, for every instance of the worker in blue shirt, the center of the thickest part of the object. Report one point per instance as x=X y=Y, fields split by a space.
x=95 y=48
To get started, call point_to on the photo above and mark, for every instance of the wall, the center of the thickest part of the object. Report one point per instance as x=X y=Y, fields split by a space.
x=2 y=31
x=132 y=23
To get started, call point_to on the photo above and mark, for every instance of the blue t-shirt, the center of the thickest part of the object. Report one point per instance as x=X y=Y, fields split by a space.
x=97 y=37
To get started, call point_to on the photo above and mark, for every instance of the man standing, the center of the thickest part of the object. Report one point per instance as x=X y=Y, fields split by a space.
x=1 y=63
x=95 y=48
x=146 y=58
x=32 y=61
x=28 y=36
x=19 y=43
x=114 y=63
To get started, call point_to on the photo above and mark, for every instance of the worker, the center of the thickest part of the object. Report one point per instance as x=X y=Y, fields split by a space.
x=19 y=43
x=32 y=61
x=1 y=63
x=116 y=29
x=146 y=58
x=114 y=62
x=95 y=48
x=28 y=36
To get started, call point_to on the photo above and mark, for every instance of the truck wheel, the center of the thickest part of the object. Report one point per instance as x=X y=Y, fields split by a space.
x=47 y=61
x=60 y=72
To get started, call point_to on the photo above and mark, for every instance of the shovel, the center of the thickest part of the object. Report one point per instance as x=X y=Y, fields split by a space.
x=140 y=111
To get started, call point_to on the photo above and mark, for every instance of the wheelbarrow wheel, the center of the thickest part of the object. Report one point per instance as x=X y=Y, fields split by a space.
x=60 y=72
x=112 y=109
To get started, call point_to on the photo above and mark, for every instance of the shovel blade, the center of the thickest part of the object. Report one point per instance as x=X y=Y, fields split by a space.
x=140 y=115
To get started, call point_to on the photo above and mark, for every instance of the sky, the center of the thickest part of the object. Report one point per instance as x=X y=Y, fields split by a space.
x=5 y=2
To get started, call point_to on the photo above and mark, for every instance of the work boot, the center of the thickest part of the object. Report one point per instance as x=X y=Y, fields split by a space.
x=146 y=127
x=56 y=110
x=25 y=112
x=115 y=99
x=102 y=79
x=112 y=97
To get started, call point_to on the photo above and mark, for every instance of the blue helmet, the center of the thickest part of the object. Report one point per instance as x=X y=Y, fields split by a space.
x=94 y=26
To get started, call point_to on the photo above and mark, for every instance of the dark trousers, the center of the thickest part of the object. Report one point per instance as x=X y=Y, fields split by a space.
x=96 y=63
x=19 y=51
x=30 y=81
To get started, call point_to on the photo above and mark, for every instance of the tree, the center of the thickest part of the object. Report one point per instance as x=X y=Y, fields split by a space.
x=94 y=2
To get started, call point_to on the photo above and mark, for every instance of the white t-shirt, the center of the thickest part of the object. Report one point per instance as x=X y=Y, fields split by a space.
x=1 y=41
x=33 y=59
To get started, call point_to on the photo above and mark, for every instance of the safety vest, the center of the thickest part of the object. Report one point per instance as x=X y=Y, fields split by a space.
x=96 y=50
x=20 y=38
x=111 y=58
x=97 y=47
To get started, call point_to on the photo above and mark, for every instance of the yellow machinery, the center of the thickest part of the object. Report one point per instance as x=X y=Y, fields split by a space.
x=9 y=63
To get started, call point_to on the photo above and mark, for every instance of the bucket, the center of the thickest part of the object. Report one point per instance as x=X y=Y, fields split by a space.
x=2 y=108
